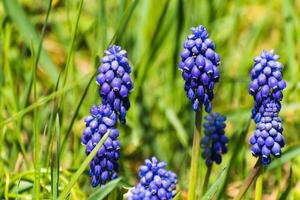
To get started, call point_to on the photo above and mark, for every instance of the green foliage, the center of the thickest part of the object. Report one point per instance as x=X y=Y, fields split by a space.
x=49 y=58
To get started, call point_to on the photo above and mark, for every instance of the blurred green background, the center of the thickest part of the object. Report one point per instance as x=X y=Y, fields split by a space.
x=160 y=120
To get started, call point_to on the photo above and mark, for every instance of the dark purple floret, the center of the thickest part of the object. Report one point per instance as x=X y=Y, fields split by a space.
x=114 y=80
x=266 y=88
x=155 y=181
x=214 y=142
x=104 y=166
x=199 y=65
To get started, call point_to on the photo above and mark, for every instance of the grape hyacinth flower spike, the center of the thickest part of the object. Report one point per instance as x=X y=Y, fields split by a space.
x=199 y=65
x=266 y=88
x=155 y=182
x=104 y=166
x=114 y=80
x=214 y=142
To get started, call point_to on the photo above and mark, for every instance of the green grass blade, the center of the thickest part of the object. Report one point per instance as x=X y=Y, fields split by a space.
x=24 y=26
x=76 y=113
x=102 y=192
x=49 y=130
x=40 y=102
x=289 y=154
x=36 y=151
x=149 y=53
x=289 y=40
x=123 y=24
x=235 y=152
x=177 y=196
x=37 y=58
x=284 y=195
x=71 y=47
x=55 y=162
x=82 y=167
x=215 y=186
x=180 y=131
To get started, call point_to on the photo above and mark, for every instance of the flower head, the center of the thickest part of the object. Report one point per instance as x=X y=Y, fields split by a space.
x=267 y=138
x=155 y=181
x=199 y=65
x=114 y=80
x=266 y=81
x=104 y=166
x=266 y=87
x=214 y=142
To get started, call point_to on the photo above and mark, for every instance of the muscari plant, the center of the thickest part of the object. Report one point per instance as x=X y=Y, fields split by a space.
x=214 y=142
x=115 y=85
x=199 y=65
x=266 y=88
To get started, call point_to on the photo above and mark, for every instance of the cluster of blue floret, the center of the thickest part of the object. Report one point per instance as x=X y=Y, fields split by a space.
x=115 y=85
x=114 y=80
x=214 y=142
x=104 y=166
x=155 y=182
x=199 y=65
x=266 y=87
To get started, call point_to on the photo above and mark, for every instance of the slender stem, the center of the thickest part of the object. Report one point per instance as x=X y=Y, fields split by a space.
x=258 y=187
x=247 y=183
x=195 y=155
x=206 y=180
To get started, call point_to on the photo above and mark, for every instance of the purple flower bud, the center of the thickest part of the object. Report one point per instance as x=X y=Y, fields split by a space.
x=116 y=84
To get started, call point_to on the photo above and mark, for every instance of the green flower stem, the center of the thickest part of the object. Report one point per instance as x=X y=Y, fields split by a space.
x=206 y=180
x=247 y=183
x=195 y=155
x=259 y=186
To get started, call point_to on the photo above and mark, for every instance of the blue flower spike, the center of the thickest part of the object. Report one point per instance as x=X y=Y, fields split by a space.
x=155 y=182
x=266 y=88
x=114 y=80
x=199 y=65
x=214 y=142
x=104 y=166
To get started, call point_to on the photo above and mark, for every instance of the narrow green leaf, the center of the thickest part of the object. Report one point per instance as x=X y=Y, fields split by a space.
x=26 y=29
x=37 y=58
x=289 y=35
x=215 y=186
x=55 y=162
x=71 y=50
x=36 y=116
x=76 y=113
x=102 y=192
x=123 y=23
x=177 y=196
x=40 y=102
x=287 y=190
x=180 y=131
x=289 y=154
x=235 y=152
x=82 y=167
